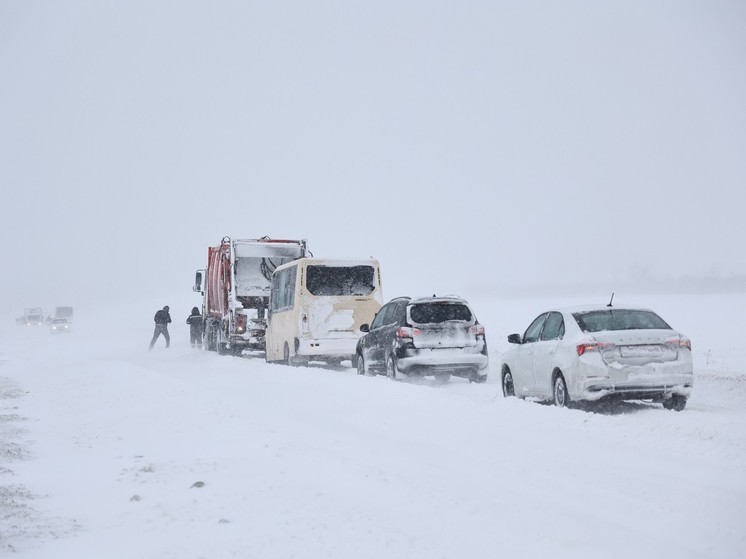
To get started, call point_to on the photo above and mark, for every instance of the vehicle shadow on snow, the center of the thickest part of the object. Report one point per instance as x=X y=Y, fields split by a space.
x=615 y=407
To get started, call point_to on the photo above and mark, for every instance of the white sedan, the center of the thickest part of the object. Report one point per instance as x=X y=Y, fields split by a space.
x=590 y=353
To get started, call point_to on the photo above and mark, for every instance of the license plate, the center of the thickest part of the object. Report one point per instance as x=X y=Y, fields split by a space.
x=640 y=351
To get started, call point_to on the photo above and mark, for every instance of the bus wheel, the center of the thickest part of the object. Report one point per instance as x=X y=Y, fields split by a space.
x=289 y=359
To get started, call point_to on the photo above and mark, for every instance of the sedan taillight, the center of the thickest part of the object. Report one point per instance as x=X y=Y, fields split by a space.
x=681 y=342
x=477 y=330
x=593 y=346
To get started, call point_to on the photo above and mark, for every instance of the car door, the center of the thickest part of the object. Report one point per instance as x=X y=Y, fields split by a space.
x=370 y=342
x=544 y=351
x=522 y=369
x=392 y=321
x=383 y=335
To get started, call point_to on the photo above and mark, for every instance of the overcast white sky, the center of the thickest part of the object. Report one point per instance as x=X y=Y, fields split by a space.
x=462 y=143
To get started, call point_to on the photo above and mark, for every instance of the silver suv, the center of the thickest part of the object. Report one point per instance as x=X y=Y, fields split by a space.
x=428 y=336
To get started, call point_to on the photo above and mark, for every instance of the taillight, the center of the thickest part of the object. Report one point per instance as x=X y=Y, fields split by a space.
x=240 y=323
x=593 y=346
x=477 y=330
x=681 y=342
x=406 y=333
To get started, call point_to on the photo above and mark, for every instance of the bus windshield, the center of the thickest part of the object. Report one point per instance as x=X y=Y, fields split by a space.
x=344 y=281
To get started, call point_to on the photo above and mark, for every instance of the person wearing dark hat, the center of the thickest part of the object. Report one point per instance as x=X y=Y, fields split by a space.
x=162 y=320
x=195 y=328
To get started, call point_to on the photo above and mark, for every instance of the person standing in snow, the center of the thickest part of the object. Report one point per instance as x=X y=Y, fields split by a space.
x=195 y=328
x=162 y=320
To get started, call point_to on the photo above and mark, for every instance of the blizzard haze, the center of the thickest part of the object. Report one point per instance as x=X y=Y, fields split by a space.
x=468 y=147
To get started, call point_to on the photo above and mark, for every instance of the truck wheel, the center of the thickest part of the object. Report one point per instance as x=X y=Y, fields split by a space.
x=210 y=338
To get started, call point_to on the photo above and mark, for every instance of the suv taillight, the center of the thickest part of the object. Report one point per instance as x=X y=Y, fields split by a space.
x=477 y=330
x=407 y=333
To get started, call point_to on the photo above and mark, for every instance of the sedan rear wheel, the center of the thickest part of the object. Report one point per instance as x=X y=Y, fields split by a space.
x=561 y=398
x=508 y=388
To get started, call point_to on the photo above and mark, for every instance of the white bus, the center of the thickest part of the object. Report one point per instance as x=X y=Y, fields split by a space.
x=316 y=308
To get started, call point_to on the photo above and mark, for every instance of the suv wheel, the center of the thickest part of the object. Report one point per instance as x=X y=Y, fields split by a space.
x=391 y=370
x=676 y=402
x=360 y=365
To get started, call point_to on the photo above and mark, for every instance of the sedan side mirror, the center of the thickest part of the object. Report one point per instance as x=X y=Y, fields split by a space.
x=364 y=328
x=515 y=339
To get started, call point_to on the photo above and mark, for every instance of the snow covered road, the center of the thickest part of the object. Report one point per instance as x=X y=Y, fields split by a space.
x=108 y=450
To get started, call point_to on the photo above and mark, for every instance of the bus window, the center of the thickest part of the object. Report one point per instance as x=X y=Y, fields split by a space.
x=336 y=281
x=283 y=289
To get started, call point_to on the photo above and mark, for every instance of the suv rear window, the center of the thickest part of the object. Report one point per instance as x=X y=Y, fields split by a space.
x=346 y=281
x=428 y=313
x=623 y=319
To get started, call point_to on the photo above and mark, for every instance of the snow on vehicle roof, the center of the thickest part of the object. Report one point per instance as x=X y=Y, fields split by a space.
x=441 y=299
x=334 y=262
x=250 y=248
x=592 y=308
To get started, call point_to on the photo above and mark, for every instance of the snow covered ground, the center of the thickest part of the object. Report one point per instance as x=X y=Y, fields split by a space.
x=107 y=450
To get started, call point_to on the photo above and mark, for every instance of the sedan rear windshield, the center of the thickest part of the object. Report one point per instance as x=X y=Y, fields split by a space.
x=349 y=281
x=622 y=319
x=429 y=313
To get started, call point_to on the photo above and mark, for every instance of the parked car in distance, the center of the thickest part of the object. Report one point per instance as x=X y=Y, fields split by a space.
x=428 y=336
x=599 y=352
x=32 y=316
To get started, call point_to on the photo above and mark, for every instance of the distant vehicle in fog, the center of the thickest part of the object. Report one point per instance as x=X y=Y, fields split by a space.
x=427 y=336
x=599 y=352
x=32 y=316
x=63 y=312
x=59 y=325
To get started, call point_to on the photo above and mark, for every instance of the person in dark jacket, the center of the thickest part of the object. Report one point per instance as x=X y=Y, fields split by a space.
x=195 y=328
x=162 y=319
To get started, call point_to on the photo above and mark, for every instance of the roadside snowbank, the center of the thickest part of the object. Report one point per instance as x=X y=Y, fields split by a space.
x=117 y=452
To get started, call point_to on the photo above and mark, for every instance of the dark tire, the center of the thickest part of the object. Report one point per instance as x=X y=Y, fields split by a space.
x=391 y=371
x=508 y=387
x=360 y=366
x=292 y=360
x=559 y=391
x=210 y=338
x=676 y=402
